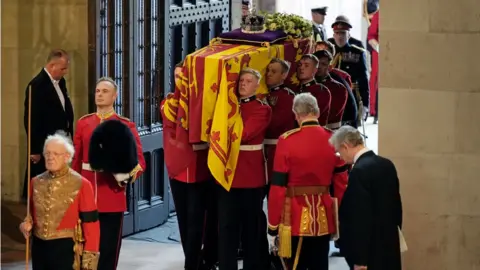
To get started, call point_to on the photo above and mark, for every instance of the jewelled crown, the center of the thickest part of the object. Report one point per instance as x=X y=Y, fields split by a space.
x=253 y=23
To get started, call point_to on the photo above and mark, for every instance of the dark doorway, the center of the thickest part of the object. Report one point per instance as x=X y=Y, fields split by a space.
x=138 y=43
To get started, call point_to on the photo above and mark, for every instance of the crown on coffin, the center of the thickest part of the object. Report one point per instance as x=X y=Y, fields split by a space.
x=253 y=23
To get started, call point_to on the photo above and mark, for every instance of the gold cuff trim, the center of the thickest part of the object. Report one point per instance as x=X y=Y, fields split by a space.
x=272 y=227
x=134 y=172
x=90 y=260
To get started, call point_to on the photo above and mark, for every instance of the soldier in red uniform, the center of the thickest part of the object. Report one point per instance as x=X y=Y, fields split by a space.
x=306 y=70
x=110 y=193
x=302 y=215
x=63 y=214
x=337 y=90
x=280 y=99
x=350 y=113
x=239 y=210
x=192 y=188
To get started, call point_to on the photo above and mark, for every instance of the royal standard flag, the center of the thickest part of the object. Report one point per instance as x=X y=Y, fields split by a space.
x=209 y=108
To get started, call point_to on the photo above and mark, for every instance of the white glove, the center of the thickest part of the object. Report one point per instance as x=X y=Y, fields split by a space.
x=272 y=243
x=121 y=177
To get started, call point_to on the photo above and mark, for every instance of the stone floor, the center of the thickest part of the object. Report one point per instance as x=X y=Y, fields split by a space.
x=156 y=249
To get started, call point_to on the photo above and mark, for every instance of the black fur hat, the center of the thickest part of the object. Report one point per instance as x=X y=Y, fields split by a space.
x=113 y=148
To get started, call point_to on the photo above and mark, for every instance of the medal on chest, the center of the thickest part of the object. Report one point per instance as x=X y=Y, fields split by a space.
x=350 y=57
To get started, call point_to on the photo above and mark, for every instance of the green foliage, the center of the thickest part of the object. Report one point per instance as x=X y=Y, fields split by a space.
x=293 y=25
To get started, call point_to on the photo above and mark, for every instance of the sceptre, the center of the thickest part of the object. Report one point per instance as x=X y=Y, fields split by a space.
x=27 y=246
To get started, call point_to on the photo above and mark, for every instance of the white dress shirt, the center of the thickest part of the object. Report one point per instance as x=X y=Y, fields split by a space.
x=359 y=154
x=57 y=88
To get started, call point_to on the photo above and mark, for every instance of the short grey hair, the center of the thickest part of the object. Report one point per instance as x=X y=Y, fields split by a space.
x=305 y=104
x=252 y=71
x=108 y=79
x=61 y=138
x=348 y=135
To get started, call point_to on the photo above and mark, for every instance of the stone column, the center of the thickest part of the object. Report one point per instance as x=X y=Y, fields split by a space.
x=429 y=107
x=29 y=30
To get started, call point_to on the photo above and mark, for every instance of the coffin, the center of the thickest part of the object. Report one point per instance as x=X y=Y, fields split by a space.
x=208 y=108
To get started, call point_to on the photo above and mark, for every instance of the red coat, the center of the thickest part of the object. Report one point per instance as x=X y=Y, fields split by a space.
x=323 y=96
x=110 y=196
x=305 y=159
x=280 y=99
x=344 y=75
x=250 y=171
x=339 y=95
x=59 y=203
x=185 y=162
x=373 y=35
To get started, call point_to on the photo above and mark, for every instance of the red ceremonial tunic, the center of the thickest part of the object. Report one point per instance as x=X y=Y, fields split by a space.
x=250 y=171
x=185 y=162
x=323 y=96
x=109 y=195
x=280 y=99
x=305 y=167
x=339 y=94
x=344 y=75
x=61 y=202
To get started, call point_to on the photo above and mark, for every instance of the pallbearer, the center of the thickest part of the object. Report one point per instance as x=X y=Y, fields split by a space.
x=306 y=70
x=350 y=113
x=63 y=215
x=280 y=99
x=301 y=212
x=239 y=209
x=337 y=90
x=109 y=186
x=192 y=187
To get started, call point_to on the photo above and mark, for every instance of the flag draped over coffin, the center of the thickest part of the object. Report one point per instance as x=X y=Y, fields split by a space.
x=207 y=107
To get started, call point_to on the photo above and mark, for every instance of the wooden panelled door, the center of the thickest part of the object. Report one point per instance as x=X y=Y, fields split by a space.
x=138 y=43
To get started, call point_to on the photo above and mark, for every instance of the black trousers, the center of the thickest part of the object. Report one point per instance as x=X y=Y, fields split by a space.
x=35 y=169
x=54 y=254
x=240 y=213
x=111 y=225
x=197 y=222
x=313 y=252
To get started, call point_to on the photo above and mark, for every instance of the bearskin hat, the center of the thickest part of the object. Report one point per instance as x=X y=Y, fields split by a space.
x=113 y=148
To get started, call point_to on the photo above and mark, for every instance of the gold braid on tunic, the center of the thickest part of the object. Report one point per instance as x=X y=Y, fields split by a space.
x=53 y=194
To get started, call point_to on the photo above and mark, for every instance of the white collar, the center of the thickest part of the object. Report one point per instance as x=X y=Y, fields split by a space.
x=51 y=78
x=359 y=154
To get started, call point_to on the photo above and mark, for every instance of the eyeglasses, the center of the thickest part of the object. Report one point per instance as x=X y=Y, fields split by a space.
x=53 y=154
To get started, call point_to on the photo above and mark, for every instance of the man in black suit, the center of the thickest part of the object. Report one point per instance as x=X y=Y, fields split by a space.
x=51 y=109
x=371 y=210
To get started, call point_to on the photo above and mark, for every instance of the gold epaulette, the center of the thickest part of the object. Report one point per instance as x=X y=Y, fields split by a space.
x=359 y=48
x=85 y=116
x=290 y=132
x=327 y=129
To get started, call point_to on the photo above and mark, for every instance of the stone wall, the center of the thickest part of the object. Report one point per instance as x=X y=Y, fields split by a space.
x=29 y=30
x=429 y=126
